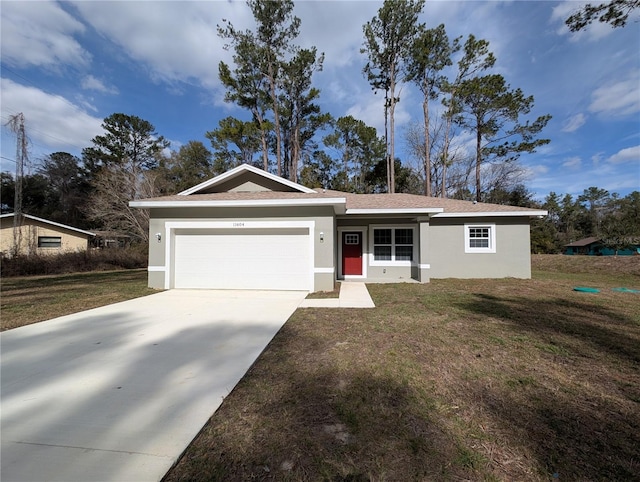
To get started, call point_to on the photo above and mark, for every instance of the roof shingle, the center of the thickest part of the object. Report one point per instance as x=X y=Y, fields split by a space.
x=397 y=201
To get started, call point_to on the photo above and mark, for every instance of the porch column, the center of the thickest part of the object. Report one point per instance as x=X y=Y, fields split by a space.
x=424 y=268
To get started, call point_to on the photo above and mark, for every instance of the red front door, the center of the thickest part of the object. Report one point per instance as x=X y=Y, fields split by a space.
x=352 y=254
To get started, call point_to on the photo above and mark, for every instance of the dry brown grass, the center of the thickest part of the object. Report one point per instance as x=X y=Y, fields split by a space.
x=602 y=265
x=319 y=295
x=453 y=380
x=27 y=300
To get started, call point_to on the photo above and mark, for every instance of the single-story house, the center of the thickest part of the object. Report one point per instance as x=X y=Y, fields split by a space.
x=249 y=229
x=40 y=236
x=110 y=240
x=592 y=246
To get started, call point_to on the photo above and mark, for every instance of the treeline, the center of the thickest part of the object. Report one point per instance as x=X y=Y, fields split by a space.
x=596 y=213
x=286 y=132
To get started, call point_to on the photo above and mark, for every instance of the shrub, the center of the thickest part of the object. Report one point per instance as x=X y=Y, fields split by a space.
x=79 y=261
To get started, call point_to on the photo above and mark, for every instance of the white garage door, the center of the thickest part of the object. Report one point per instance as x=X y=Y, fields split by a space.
x=273 y=259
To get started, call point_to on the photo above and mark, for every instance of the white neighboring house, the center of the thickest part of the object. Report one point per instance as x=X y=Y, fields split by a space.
x=249 y=229
x=40 y=236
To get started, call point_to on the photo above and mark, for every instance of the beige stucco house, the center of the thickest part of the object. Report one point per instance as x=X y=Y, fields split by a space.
x=249 y=229
x=40 y=236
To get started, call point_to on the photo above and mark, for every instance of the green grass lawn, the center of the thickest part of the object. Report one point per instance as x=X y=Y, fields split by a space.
x=452 y=380
x=27 y=300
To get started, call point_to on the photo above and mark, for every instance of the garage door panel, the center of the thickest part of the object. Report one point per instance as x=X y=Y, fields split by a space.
x=270 y=260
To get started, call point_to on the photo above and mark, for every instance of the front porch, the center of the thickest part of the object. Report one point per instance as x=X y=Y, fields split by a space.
x=371 y=249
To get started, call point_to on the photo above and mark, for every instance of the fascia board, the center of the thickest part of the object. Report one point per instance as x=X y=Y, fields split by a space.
x=243 y=203
x=395 y=211
x=491 y=214
x=238 y=170
x=52 y=223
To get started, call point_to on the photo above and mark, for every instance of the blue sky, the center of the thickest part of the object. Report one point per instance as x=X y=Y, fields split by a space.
x=68 y=65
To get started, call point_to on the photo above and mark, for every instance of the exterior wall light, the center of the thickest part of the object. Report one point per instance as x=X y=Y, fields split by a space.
x=322 y=237
x=159 y=237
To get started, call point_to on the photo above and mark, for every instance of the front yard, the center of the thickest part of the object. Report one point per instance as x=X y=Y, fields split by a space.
x=27 y=300
x=453 y=380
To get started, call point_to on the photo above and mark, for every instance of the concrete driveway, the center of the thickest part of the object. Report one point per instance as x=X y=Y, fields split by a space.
x=117 y=393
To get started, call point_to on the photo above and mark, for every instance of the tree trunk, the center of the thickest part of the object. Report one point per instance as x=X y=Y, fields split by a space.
x=478 y=161
x=263 y=140
x=295 y=153
x=386 y=139
x=427 y=154
x=345 y=160
x=392 y=157
x=265 y=149
x=445 y=158
x=276 y=118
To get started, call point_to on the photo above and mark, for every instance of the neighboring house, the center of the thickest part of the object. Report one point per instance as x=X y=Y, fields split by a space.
x=40 y=236
x=594 y=247
x=249 y=229
x=110 y=239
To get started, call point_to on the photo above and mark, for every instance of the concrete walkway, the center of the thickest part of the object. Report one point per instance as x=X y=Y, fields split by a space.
x=118 y=392
x=352 y=295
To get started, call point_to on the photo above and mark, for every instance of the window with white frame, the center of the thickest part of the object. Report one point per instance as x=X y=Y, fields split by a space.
x=480 y=238
x=393 y=245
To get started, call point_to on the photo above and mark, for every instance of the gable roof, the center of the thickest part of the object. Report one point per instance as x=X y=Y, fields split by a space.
x=438 y=207
x=210 y=184
x=343 y=202
x=52 y=223
x=582 y=242
x=292 y=194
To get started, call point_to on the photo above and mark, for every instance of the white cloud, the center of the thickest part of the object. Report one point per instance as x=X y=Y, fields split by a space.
x=573 y=162
x=176 y=41
x=335 y=29
x=41 y=34
x=574 y=123
x=89 y=82
x=629 y=154
x=463 y=145
x=618 y=98
x=52 y=122
x=597 y=158
x=531 y=172
x=369 y=108
x=85 y=103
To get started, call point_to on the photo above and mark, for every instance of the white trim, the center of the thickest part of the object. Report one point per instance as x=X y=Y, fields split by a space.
x=239 y=170
x=156 y=268
x=171 y=226
x=238 y=203
x=364 y=231
x=424 y=266
x=416 y=240
x=492 y=238
x=238 y=224
x=324 y=270
x=491 y=214
x=395 y=211
x=70 y=228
